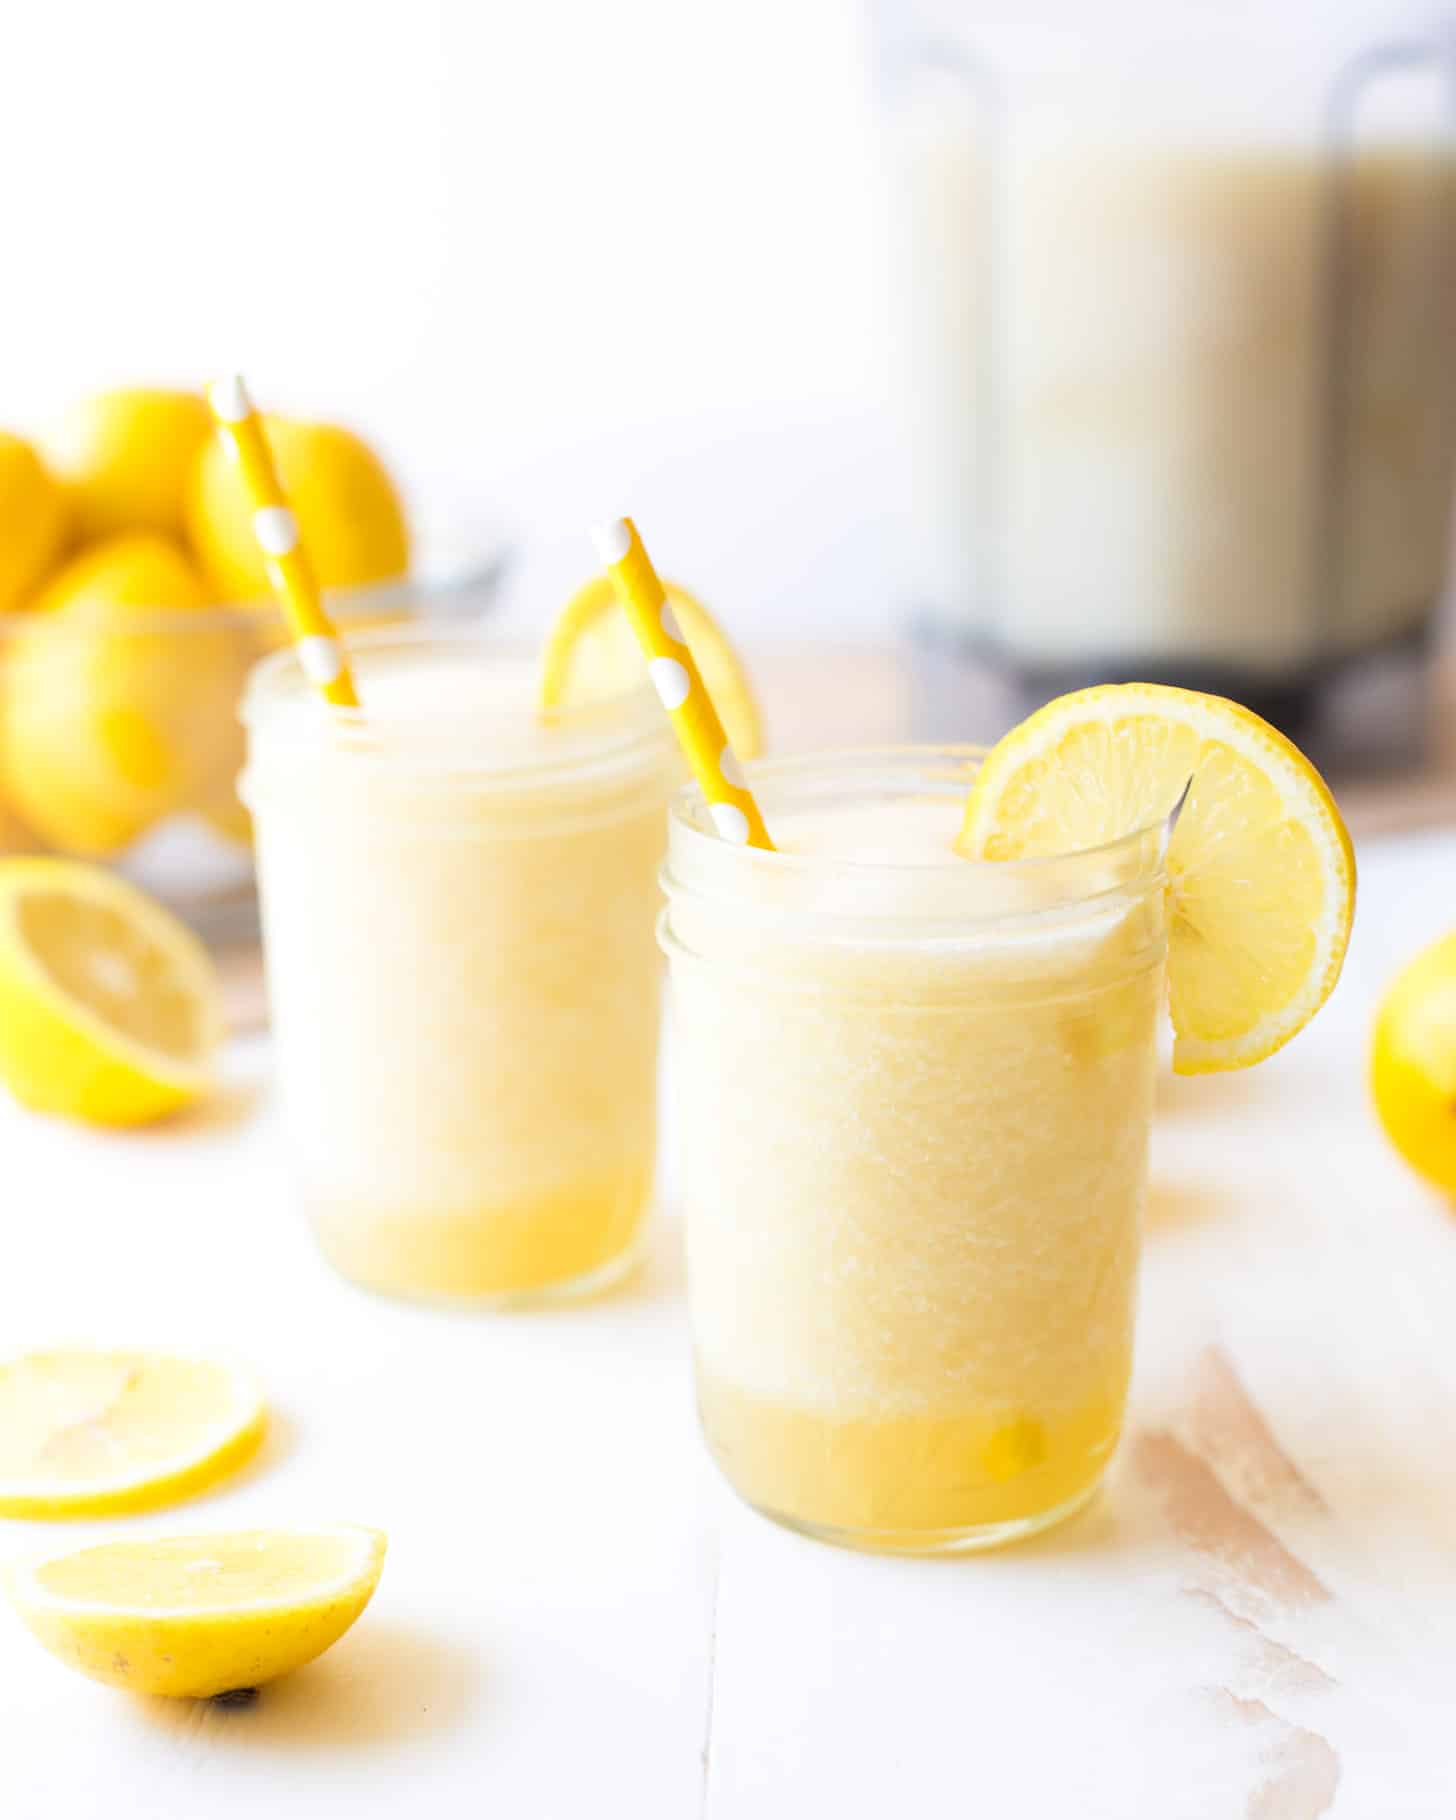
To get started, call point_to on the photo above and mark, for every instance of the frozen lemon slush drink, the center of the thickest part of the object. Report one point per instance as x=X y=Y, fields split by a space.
x=458 y=899
x=916 y=1094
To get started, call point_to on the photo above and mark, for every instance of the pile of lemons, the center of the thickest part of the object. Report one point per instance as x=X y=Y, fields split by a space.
x=118 y=689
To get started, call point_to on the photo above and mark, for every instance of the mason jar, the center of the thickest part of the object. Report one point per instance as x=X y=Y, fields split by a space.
x=915 y=1096
x=458 y=898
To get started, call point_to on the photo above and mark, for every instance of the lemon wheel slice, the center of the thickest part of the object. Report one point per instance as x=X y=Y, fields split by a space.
x=110 y=1008
x=197 y=1616
x=591 y=652
x=1261 y=872
x=89 y=1433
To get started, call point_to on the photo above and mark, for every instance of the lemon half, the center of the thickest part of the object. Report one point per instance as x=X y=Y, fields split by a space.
x=110 y=1008
x=591 y=653
x=89 y=1433
x=1261 y=871
x=196 y=1616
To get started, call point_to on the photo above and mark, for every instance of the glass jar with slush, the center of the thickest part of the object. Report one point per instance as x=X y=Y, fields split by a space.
x=915 y=1096
x=458 y=901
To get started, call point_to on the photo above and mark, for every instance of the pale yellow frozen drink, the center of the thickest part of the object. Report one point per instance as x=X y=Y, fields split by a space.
x=458 y=903
x=916 y=1093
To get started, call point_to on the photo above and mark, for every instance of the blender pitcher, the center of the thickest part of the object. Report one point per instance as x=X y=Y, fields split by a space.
x=1176 y=338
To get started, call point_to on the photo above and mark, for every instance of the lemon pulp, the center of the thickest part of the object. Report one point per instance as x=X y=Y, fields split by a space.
x=1260 y=867
x=110 y=1009
x=84 y=1433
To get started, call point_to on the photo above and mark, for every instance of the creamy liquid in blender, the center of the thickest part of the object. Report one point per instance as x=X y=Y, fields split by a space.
x=1122 y=434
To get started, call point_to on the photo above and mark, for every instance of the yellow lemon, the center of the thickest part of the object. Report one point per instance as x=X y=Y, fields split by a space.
x=591 y=652
x=110 y=1009
x=198 y=1616
x=1261 y=873
x=348 y=512
x=15 y=836
x=120 y=697
x=33 y=521
x=1413 y=1063
x=91 y=1433
x=126 y=457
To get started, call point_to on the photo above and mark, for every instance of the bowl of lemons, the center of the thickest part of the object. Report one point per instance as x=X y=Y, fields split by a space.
x=133 y=602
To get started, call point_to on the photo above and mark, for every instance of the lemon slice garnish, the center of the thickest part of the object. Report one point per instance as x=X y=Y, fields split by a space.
x=197 y=1616
x=591 y=653
x=87 y=1433
x=110 y=1008
x=1261 y=872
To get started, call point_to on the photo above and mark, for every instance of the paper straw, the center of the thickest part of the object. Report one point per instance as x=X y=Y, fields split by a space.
x=679 y=686
x=320 y=655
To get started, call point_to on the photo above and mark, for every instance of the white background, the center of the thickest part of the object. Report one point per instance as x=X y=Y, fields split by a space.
x=539 y=250
x=558 y=258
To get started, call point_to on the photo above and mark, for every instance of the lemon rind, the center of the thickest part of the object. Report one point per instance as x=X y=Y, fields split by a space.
x=231 y=1442
x=596 y=597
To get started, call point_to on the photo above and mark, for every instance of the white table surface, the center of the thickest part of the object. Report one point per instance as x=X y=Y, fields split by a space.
x=1257 y=1619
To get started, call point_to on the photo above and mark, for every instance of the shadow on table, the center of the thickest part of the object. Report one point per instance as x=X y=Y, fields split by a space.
x=1182 y=1098
x=662 y=1276
x=386 y=1684
x=229 y=1104
x=1099 y=1528
x=658 y=1276
x=279 y=1443
x=1174 y=1205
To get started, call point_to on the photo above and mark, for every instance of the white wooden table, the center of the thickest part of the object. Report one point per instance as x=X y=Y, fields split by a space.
x=1256 y=1622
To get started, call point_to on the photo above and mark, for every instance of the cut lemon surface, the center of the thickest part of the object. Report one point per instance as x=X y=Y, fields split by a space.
x=1261 y=873
x=88 y=1433
x=110 y=1009
x=196 y=1616
x=591 y=652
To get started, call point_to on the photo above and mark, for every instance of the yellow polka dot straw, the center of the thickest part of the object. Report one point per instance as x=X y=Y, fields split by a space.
x=679 y=686
x=320 y=654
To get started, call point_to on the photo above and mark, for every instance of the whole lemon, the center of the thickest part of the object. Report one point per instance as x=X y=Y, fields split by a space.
x=126 y=457
x=348 y=511
x=119 y=702
x=1413 y=1063
x=33 y=521
x=15 y=837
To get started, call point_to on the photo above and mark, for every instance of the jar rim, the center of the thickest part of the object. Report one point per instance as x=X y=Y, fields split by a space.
x=500 y=742
x=969 y=892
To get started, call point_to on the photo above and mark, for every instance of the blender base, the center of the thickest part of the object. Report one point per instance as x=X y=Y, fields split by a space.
x=1365 y=714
